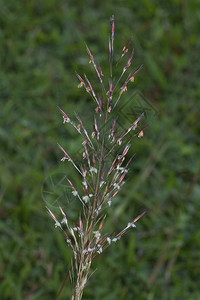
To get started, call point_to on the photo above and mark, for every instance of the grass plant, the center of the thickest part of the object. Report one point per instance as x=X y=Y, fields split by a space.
x=101 y=176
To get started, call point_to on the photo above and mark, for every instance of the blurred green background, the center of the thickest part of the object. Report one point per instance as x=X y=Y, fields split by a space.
x=41 y=47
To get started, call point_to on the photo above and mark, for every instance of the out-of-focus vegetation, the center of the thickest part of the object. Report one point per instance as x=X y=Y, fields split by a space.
x=41 y=47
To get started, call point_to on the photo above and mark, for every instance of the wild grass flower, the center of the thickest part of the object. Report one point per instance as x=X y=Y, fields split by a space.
x=100 y=181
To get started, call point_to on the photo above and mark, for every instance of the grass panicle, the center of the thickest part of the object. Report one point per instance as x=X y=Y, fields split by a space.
x=100 y=181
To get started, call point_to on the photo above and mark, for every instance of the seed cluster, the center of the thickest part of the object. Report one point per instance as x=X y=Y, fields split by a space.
x=101 y=181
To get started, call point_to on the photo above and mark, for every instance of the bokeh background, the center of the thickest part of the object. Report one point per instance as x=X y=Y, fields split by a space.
x=41 y=47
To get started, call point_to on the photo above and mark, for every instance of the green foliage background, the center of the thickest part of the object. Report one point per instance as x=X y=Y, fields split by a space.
x=41 y=47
